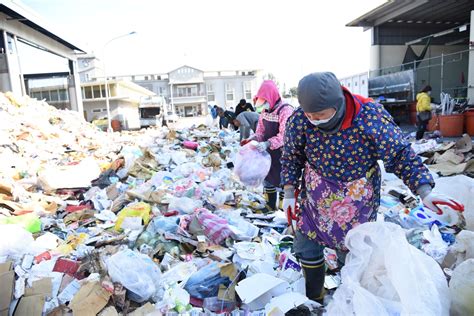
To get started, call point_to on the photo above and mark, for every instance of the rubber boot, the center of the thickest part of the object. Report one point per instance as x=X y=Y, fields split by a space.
x=314 y=272
x=281 y=197
x=271 y=196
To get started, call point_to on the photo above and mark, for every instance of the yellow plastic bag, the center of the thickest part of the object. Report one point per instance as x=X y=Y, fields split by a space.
x=140 y=209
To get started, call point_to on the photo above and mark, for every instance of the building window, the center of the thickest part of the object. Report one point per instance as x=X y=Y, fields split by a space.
x=211 y=97
x=54 y=95
x=96 y=92
x=247 y=90
x=229 y=92
x=102 y=91
x=36 y=95
x=88 y=92
x=187 y=91
x=63 y=96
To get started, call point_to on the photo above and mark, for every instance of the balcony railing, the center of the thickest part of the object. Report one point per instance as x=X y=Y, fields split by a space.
x=192 y=94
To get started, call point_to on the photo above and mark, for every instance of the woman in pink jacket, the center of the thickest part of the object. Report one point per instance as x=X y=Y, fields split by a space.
x=270 y=133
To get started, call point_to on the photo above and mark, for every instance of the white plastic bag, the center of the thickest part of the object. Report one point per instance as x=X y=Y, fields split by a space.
x=136 y=272
x=461 y=287
x=251 y=165
x=15 y=241
x=461 y=188
x=436 y=247
x=385 y=275
x=184 y=205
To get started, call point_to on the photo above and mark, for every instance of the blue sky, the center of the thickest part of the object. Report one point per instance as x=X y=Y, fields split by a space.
x=288 y=38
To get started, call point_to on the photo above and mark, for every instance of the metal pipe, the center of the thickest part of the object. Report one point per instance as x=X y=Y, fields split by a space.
x=107 y=103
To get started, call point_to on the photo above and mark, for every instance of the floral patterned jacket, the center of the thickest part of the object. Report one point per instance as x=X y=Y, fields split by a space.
x=341 y=174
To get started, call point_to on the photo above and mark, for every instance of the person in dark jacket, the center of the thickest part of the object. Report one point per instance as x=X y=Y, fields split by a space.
x=243 y=106
x=226 y=118
x=246 y=122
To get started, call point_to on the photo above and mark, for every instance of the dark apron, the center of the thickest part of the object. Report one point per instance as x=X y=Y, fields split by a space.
x=271 y=129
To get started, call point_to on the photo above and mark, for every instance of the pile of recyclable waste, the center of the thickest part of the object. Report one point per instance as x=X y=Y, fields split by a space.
x=170 y=222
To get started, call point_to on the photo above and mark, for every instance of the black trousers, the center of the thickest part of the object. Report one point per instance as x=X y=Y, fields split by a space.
x=422 y=126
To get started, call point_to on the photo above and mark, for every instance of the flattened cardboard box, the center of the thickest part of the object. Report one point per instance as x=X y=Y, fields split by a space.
x=89 y=300
x=30 y=306
x=7 y=283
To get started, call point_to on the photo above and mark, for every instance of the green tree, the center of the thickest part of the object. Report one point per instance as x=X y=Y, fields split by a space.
x=293 y=92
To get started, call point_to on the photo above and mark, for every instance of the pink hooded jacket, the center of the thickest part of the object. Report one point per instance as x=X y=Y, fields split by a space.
x=269 y=92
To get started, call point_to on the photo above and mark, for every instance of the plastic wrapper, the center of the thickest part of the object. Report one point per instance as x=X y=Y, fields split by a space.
x=436 y=247
x=163 y=225
x=252 y=166
x=184 y=205
x=240 y=228
x=205 y=282
x=140 y=209
x=380 y=273
x=136 y=272
x=30 y=222
x=215 y=228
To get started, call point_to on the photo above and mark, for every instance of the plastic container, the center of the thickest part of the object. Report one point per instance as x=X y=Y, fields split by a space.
x=216 y=305
x=451 y=125
x=433 y=124
x=469 y=121
x=116 y=125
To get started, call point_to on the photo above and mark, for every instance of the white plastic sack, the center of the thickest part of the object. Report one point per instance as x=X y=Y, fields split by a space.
x=464 y=246
x=136 y=272
x=385 y=275
x=461 y=287
x=252 y=166
x=15 y=241
x=461 y=188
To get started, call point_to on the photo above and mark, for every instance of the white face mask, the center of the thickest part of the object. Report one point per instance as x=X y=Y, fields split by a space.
x=429 y=92
x=319 y=122
x=264 y=106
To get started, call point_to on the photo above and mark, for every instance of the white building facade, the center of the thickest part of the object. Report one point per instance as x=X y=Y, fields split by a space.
x=189 y=91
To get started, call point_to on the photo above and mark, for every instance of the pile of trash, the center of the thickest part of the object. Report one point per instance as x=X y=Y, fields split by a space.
x=153 y=220
x=171 y=222
x=449 y=158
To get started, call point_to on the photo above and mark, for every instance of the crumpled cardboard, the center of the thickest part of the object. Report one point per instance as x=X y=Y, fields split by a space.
x=109 y=311
x=30 y=305
x=7 y=281
x=41 y=287
x=89 y=300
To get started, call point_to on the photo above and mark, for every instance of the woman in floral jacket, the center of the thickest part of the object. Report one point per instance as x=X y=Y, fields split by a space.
x=333 y=142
